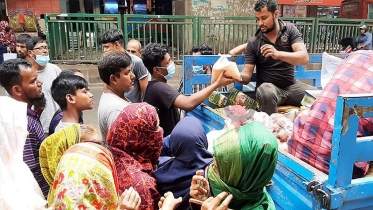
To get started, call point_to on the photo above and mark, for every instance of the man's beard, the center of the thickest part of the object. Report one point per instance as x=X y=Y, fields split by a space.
x=21 y=56
x=272 y=28
x=40 y=101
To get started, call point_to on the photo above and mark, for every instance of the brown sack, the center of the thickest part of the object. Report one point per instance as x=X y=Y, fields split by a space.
x=231 y=69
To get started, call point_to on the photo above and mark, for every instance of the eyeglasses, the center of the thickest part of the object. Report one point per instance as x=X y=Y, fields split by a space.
x=41 y=48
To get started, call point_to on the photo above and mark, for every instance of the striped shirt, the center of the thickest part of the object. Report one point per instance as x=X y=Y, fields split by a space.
x=31 y=150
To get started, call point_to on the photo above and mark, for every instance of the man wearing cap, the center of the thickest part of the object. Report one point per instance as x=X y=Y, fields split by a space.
x=364 y=40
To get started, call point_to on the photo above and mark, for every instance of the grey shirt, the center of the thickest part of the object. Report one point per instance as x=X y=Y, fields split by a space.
x=109 y=108
x=47 y=75
x=140 y=72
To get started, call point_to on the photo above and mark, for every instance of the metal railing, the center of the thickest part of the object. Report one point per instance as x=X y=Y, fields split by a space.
x=75 y=37
x=177 y=32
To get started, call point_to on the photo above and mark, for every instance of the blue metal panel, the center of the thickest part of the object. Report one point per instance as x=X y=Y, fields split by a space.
x=349 y=110
x=346 y=193
x=111 y=7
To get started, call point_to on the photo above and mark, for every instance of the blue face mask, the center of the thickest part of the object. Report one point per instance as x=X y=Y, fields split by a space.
x=198 y=70
x=42 y=60
x=171 y=69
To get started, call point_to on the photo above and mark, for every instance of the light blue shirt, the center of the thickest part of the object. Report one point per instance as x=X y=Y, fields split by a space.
x=365 y=39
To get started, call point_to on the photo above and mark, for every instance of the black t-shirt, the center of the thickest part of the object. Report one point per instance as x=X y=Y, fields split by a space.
x=161 y=96
x=268 y=69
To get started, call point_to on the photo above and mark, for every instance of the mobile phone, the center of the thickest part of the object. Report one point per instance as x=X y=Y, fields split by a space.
x=195 y=204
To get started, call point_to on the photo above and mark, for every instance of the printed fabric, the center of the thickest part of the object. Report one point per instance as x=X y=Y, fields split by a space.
x=136 y=141
x=85 y=179
x=311 y=140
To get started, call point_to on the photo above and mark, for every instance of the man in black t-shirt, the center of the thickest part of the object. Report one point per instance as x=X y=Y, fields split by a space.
x=275 y=49
x=162 y=96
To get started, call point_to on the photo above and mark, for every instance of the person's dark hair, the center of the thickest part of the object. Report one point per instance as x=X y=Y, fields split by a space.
x=7 y=29
x=69 y=72
x=22 y=38
x=111 y=36
x=112 y=63
x=30 y=44
x=270 y=4
x=10 y=73
x=204 y=49
x=153 y=54
x=66 y=84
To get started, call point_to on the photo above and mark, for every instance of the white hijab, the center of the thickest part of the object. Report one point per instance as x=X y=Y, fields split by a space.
x=18 y=187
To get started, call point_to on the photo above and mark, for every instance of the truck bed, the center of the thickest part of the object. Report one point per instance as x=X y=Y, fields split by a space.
x=297 y=185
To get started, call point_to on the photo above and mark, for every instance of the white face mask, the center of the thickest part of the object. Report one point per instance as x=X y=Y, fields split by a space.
x=42 y=60
x=171 y=69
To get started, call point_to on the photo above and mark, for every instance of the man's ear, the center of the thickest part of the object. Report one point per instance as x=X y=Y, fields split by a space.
x=16 y=90
x=30 y=53
x=117 y=45
x=113 y=79
x=275 y=14
x=70 y=99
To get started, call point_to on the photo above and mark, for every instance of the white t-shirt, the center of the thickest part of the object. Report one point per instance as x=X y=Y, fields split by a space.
x=109 y=108
x=62 y=125
x=47 y=76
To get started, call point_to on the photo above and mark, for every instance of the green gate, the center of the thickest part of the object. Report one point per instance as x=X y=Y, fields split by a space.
x=76 y=36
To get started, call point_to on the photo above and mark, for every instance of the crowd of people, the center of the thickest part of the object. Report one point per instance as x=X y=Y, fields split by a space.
x=144 y=155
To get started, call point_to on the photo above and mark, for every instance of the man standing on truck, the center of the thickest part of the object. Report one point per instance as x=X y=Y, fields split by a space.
x=275 y=50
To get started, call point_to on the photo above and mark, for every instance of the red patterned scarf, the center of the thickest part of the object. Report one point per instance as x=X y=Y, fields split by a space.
x=136 y=140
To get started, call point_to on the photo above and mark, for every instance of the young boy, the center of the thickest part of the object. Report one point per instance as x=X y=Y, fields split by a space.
x=71 y=92
x=57 y=117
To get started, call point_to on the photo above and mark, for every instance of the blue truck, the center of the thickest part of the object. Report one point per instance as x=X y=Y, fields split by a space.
x=297 y=185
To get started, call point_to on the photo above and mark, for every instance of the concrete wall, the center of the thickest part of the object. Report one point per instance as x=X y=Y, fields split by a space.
x=219 y=8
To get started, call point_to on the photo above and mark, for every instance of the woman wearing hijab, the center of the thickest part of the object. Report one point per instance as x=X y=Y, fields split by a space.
x=136 y=141
x=53 y=147
x=85 y=176
x=244 y=162
x=188 y=146
x=18 y=187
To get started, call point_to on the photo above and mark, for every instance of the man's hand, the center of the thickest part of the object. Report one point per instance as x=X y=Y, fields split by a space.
x=129 y=200
x=215 y=203
x=168 y=201
x=270 y=51
x=199 y=188
x=223 y=80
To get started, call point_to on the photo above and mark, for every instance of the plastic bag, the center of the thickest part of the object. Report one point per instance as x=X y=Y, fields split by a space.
x=231 y=69
x=329 y=64
x=282 y=127
x=8 y=56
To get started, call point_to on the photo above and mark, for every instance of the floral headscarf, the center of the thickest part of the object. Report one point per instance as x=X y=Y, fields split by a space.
x=53 y=147
x=85 y=179
x=136 y=140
